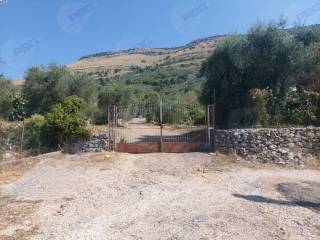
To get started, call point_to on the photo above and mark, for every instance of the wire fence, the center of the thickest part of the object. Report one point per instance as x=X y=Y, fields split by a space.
x=160 y=122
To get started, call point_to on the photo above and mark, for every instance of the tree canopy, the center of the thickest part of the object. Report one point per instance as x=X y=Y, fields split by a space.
x=6 y=95
x=45 y=87
x=268 y=57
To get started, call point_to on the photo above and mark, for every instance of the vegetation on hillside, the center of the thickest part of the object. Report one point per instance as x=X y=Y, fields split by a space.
x=268 y=77
x=6 y=96
x=44 y=88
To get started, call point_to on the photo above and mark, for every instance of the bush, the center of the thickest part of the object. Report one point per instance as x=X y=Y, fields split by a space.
x=193 y=114
x=45 y=87
x=6 y=94
x=1 y=140
x=115 y=94
x=197 y=114
x=10 y=135
x=100 y=117
x=300 y=108
x=259 y=99
x=66 y=120
x=35 y=136
x=303 y=108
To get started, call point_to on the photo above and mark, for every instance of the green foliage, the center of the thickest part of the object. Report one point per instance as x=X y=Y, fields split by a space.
x=2 y=140
x=307 y=36
x=196 y=114
x=44 y=88
x=67 y=120
x=259 y=101
x=6 y=94
x=36 y=134
x=18 y=108
x=303 y=108
x=112 y=94
x=264 y=109
x=10 y=134
x=266 y=58
x=115 y=94
x=300 y=108
x=177 y=113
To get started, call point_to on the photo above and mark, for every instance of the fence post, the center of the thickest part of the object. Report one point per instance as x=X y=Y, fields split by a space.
x=114 y=117
x=108 y=122
x=208 y=129
x=213 y=126
x=161 y=127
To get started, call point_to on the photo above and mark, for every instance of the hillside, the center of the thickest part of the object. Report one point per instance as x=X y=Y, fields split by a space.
x=122 y=62
x=115 y=64
x=172 y=72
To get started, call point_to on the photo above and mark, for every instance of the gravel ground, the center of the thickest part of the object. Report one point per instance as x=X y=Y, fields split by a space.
x=162 y=196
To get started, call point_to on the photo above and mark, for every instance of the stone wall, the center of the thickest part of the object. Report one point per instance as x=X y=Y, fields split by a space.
x=281 y=146
x=96 y=143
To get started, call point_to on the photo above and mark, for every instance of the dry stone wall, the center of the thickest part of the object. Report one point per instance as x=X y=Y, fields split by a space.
x=281 y=146
x=97 y=143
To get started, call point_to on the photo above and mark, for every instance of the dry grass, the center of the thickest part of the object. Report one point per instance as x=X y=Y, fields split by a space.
x=21 y=234
x=124 y=60
x=11 y=171
x=102 y=160
x=97 y=128
x=14 y=211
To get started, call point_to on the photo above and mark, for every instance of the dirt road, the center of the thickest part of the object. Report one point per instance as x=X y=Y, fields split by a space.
x=158 y=196
x=138 y=130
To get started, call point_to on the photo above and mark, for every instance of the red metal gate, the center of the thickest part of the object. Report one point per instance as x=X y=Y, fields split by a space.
x=161 y=127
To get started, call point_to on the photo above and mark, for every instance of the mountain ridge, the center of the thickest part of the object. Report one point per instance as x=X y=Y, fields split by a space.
x=140 y=50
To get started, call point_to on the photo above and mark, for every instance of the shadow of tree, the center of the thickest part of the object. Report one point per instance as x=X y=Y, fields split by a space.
x=303 y=194
x=260 y=199
x=199 y=135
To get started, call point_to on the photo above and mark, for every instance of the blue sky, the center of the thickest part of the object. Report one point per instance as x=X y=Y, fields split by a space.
x=40 y=32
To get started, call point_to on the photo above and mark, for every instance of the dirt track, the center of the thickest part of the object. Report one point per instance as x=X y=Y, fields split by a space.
x=159 y=196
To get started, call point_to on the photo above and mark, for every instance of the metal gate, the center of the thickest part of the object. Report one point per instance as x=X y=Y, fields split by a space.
x=161 y=127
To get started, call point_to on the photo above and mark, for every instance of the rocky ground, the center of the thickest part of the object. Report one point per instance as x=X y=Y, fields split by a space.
x=156 y=196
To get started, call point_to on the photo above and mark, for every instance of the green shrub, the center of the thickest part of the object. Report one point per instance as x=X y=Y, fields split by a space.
x=196 y=114
x=1 y=140
x=6 y=94
x=45 y=87
x=259 y=99
x=35 y=134
x=66 y=120
x=100 y=117
x=115 y=94
x=303 y=108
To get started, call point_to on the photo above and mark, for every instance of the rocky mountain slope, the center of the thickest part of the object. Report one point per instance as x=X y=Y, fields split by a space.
x=116 y=64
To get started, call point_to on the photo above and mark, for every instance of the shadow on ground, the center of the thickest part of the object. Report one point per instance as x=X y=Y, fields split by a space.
x=304 y=194
x=192 y=136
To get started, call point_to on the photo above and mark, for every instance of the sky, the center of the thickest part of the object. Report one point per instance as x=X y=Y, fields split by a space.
x=43 y=32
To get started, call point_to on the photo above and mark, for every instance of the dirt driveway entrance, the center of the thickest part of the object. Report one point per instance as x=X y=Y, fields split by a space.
x=157 y=196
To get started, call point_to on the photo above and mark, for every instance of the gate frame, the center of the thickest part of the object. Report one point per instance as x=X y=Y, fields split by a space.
x=210 y=127
x=113 y=124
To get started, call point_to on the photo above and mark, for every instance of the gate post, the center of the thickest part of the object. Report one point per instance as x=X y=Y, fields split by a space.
x=161 y=127
x=109 y=128
x=210 y=127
